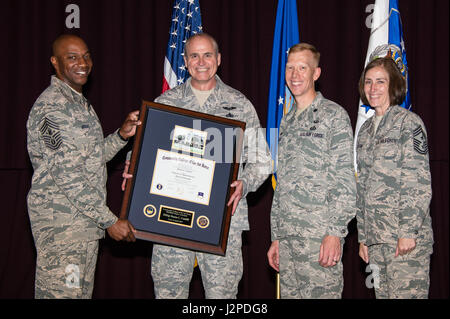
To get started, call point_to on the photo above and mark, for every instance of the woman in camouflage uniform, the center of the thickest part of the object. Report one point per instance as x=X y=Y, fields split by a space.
x=394 y=187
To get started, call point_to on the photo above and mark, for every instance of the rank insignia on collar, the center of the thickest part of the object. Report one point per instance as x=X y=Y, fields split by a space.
x=420 y=141
x=50 y=134
x=229 y=108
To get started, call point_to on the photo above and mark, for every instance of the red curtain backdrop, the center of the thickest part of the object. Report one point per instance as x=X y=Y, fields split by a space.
x=128 y=42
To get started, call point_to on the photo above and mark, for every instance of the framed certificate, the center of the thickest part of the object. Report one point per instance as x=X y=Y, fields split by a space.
x=183 y=163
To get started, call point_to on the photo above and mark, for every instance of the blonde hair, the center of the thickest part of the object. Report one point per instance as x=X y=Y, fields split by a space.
x=306 y=46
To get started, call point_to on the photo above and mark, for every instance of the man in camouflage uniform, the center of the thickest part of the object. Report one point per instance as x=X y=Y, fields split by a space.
x=205 y=92
x=67 y=199
x=315 y=195
x=394 y=187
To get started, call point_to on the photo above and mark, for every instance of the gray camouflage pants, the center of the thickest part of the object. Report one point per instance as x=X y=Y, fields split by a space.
x=301 y=275
x=172 y=270
x=66 y=271
x=401 y=277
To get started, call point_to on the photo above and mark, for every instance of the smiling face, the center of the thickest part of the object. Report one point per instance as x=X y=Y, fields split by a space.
x=202 y=61
x=301 y=73
x=72 y=61
x=376 y=89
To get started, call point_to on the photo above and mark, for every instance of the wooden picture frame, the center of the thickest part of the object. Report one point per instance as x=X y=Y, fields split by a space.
x=183 y=163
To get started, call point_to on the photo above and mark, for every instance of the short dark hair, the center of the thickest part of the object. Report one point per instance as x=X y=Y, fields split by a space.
x=61 y=38
x=397 y=83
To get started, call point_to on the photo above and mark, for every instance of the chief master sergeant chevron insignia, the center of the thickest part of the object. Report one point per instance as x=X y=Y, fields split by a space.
x=420 y=141
x=50 y=134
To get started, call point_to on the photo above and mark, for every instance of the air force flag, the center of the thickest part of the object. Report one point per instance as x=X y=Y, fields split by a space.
x=386 y=37
x=280 y=99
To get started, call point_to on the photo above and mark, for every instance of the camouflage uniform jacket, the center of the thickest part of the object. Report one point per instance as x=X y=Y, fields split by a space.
x=316 y=189
x=67 y=199
x=394 y=181
x=227 y=102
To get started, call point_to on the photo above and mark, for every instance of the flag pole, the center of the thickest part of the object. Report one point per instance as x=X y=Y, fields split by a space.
x=278 y=295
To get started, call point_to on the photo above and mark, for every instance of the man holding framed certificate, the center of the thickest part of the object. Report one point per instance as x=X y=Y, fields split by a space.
x=205 y=92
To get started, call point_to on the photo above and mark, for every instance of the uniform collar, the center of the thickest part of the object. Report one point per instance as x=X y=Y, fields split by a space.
x=384 y=124
x=188 y=90
x=68 y=92
x=311 y=110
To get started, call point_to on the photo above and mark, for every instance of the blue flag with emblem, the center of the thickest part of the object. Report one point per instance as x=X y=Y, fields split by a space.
x=280 y=99
x=396 y=38
x=386 y=39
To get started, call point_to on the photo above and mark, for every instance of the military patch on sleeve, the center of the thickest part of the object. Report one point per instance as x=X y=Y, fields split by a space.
x=420 y=141
x=51 y=134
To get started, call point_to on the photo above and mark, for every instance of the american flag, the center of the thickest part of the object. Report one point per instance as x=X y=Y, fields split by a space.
x=186 y=21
